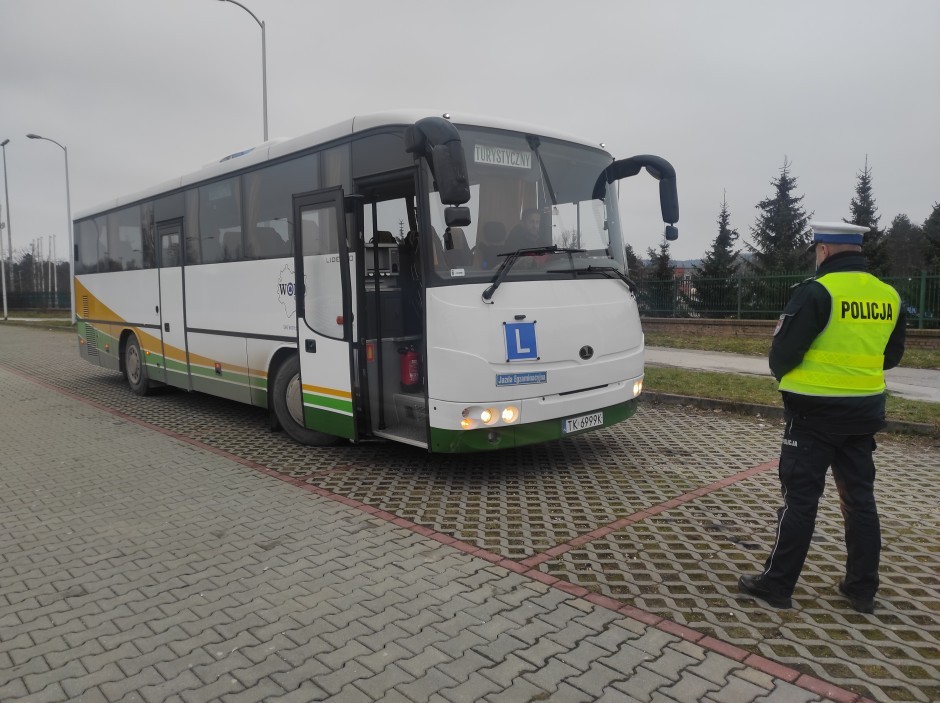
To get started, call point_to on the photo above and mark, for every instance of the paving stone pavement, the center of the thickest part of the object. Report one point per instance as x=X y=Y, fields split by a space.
x=138 y=565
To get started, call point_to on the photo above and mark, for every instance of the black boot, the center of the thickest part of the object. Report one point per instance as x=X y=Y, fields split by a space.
x=863 y=604
x=754 y=586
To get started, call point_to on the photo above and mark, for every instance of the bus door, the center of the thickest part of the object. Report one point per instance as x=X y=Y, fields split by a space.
x=172 y=312
x=392 y=313
x=324 y=313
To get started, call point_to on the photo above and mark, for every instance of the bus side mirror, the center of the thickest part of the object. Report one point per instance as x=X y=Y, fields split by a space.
x=457 y=216
x=658 y=168
x=450 y=173
x=438 y=141
x=669 y=201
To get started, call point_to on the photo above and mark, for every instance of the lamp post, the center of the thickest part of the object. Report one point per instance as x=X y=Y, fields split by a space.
x=3 y=267
x=264 y=66
x=68 y=206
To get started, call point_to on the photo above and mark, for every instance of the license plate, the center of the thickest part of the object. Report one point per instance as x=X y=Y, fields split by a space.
x=576 y=424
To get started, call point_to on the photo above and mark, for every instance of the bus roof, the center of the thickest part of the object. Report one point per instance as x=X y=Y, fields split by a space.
x=277 y=148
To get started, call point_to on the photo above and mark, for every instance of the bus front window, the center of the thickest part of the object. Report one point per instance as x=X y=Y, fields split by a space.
x=528 y=193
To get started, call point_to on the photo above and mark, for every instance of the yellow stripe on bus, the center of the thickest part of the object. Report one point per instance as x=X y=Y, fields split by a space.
x=328 y=391
x=150 y=342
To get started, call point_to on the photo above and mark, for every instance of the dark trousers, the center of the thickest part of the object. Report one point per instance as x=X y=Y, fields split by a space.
x=805 y=457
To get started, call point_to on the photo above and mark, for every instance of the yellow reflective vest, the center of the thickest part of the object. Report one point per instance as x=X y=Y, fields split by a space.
x=847 y=358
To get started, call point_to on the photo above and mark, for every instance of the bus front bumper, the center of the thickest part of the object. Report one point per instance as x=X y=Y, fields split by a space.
x=508 y=436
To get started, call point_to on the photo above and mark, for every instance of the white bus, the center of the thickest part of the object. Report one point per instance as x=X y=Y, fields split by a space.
x=372 y=279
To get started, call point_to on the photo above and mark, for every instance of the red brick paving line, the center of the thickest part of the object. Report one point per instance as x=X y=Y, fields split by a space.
x=640 y=515
x=767 y=666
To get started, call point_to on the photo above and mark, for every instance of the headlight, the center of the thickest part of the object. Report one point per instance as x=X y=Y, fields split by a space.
x=637 y=388
x=491 y=416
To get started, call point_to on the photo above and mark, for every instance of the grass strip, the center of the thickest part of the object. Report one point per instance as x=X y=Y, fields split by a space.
x=760 y=346
x=741 y=388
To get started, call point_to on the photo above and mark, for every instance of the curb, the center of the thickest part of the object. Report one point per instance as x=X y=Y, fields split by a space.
x=772 y=411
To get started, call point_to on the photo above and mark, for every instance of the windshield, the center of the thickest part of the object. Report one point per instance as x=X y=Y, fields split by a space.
x=528 y=193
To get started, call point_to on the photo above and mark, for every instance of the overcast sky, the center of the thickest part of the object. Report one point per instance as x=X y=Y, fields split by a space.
x=141 y=91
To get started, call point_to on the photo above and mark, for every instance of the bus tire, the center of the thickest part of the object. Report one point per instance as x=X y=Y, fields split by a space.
x=287 y=401
x=135 y=368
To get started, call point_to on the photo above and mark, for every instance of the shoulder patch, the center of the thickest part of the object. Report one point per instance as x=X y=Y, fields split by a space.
x=780 y=324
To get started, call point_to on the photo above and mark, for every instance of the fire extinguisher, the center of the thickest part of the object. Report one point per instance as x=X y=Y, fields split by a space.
x=410 y=369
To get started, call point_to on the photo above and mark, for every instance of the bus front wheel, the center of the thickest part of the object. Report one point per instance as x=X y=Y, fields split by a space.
x=289 y=406
x=135 y=368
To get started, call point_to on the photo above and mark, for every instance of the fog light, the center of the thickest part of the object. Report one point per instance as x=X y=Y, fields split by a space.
x=466 y=424
x=510 y=414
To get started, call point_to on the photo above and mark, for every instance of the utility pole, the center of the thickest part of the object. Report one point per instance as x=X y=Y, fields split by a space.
x=49 y=269
x=3 y=266
x=9 y=228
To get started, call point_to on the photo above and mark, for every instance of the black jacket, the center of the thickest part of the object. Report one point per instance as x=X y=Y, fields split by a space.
x=804 y=319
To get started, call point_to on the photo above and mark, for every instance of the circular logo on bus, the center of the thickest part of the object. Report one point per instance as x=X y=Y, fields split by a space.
x=285 y=291
x=586 y=352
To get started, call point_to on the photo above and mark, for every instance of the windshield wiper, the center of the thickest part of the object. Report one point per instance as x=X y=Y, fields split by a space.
x=511 y=259
x=605 y=271
x=534 y=144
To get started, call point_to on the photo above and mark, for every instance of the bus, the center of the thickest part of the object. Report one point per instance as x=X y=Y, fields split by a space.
x=451 y=282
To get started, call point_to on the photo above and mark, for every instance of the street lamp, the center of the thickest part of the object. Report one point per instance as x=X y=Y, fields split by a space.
x=68 y=206
x=264 y=66
x=3 y=268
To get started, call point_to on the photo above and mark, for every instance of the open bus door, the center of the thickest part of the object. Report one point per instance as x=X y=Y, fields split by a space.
x=324 y=313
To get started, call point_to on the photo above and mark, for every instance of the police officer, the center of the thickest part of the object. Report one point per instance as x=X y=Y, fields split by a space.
x=838 y=333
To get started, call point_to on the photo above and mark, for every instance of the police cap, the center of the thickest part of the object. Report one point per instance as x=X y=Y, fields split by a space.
x=836 y=233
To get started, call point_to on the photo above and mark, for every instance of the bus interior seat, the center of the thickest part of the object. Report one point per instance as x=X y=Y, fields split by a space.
x=211 y=251
x=268 y=243
x=231 y=245
x=491 y=241
x=383 y=237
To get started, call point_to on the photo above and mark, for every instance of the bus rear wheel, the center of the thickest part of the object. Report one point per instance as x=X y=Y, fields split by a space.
x=288 y=405
x=135 y=368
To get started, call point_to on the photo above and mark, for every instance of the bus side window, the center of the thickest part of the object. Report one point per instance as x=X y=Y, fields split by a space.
x=87 y=245
x=220 y=219
x=170 y=251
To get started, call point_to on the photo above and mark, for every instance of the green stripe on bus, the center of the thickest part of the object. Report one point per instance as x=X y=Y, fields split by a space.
x=329 y=422
x=208 y=372
x=176 y=366
x=328 y=402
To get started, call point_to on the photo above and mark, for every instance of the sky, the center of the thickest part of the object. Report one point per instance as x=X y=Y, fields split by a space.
x=141 y=91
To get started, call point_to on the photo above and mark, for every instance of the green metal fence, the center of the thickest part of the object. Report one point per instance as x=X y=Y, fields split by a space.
x=39 y=301
x=764 y=297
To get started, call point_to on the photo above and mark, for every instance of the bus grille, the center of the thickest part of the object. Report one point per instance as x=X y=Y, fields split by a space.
x=91 y=337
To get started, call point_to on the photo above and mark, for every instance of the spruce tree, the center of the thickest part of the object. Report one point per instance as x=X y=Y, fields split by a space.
x=660 y=281
x=865 y=213
x=906 y=244
x=780 y=234
x=713 y=284
x=634 y=265
x=931 y=231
